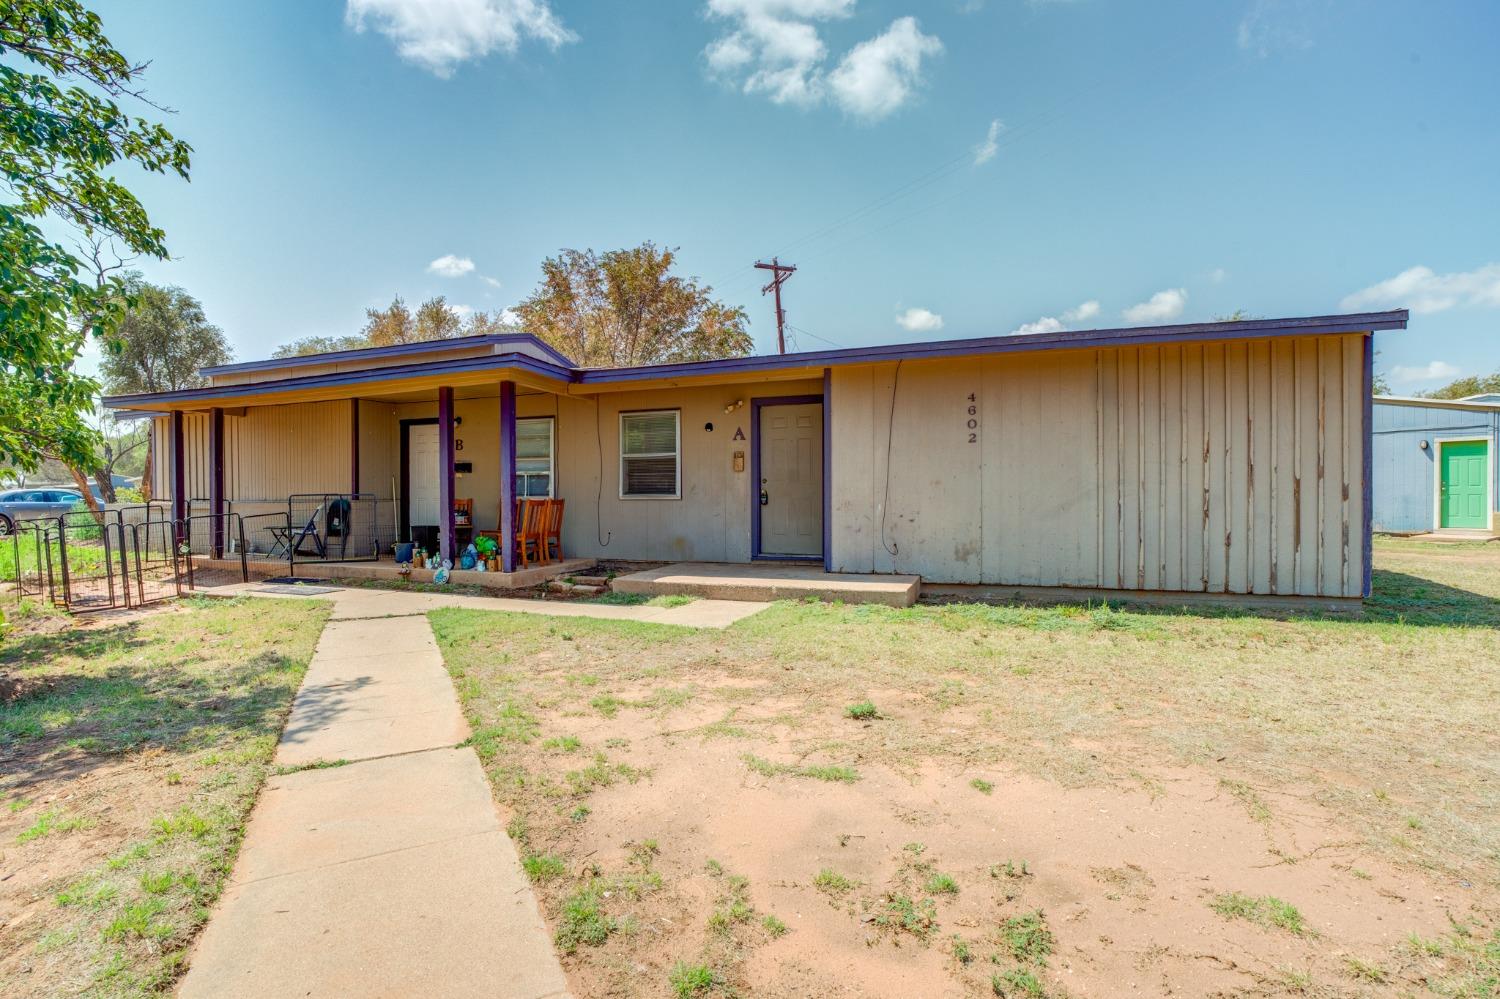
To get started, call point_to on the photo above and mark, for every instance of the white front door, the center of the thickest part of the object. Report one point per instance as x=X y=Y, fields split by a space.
x=791 y=468
x=422 y=474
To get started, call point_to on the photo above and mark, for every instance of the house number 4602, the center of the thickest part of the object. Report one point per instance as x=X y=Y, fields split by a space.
x=973 y=420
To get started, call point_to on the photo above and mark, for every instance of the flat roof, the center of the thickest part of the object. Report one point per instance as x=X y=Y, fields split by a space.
x=1417 y=400
x=565 y=371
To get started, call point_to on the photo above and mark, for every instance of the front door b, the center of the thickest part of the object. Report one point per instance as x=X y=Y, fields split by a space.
x=1463 y=489
x=791 y=479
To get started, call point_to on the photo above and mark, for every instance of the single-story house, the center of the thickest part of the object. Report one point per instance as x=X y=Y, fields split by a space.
x=1226 y=457
x=1436 y=464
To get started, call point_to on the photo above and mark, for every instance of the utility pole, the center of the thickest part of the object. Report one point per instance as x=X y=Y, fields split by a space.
x=779 y=273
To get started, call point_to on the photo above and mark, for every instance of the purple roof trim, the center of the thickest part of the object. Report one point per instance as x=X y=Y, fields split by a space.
x=1361 y=322
x=482 y=363
x=395 y=350
x=1124 y=336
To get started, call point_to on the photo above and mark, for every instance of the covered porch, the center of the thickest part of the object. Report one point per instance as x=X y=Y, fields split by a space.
x=345 y=480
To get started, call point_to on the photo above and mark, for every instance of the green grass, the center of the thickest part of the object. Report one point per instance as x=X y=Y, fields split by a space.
x=774 y=926
x=1262 y=910
x=543 y=867
x=1017 y=982
x=915 y=916
x=981 y=785
x=862 y=711
x=941 y=884
x=204 y=691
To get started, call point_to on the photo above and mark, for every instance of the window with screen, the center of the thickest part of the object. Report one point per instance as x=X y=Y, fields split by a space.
x=534 y=440
x=649 y=455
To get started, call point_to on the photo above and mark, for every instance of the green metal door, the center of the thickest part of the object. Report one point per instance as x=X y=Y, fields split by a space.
x=1465 y=485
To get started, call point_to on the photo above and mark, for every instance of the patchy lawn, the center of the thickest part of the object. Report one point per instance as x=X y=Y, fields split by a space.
x=131 y=751
x=1024 y=801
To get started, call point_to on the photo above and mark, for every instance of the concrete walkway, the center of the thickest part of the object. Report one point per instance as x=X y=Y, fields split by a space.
x=389 y=875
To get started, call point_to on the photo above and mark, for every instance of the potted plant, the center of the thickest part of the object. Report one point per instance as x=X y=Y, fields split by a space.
x=488 y=549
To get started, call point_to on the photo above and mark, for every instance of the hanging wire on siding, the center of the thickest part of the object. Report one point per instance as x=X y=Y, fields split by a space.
x=891 y=547
x=599 y=535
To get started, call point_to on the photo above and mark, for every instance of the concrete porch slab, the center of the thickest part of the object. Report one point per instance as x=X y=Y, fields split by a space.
x=771 y=581
x=521 y=579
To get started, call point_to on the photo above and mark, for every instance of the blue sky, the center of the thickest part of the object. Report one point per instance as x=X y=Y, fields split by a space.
x=935 y=169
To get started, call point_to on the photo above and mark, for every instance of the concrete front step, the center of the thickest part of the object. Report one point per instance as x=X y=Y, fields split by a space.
x=768 y=581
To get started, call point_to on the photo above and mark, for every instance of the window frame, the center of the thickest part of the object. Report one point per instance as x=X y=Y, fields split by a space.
x=551 y=457
x=676 y=454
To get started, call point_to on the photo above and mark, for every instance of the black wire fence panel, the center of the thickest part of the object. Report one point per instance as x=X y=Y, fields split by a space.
x=92 y=564
x=331 y=527
x=124 y=557
x=29 y=544
x=213 y=550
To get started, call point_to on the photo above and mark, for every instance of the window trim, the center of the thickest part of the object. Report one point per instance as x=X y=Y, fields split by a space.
x=551 y=455
x=676 y=454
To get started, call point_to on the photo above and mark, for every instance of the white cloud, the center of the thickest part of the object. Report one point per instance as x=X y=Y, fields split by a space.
x=919 y=320
x=1051 y=324
x=492 y=282
x=462 y=311
x=1432 y=371
x=450 y=266
x=1046 y=324
x=510 y=317
x=878 y=76
x=439 y=34
x=1159 y=308
x=1085 y=311
x=986 y=150
x=1422 y=290
x=1218 y=275
x=773 y=48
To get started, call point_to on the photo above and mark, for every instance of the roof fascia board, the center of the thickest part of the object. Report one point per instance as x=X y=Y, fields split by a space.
x=1081 y=339
x=394 y=350
x=486 y=362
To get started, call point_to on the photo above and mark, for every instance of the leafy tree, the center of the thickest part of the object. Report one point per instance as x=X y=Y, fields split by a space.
x=63 y=137
x=624 y=307
x=1467 y=386
x=434 y=319
x=162 y=340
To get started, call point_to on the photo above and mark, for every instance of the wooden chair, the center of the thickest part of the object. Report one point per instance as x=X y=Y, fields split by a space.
x=553 y=534
x=531 y=532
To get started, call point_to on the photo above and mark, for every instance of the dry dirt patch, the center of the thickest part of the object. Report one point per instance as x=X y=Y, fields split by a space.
x=1059 y=801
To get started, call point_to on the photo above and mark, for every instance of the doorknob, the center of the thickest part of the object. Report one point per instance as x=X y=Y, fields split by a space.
x=765 y=498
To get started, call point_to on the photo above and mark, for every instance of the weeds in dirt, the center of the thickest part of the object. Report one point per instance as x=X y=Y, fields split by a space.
x=689 y=980
x=774 y=926
x=831 y=882
x=1026 y=938
x=764 y=767
x=543 y=867
x=904 y=914
x=53 y=821
x=1017 y=982
x=981 y=785
x=563 y=743
x=1246 y=795
x=1262 y=910
x=941 y=884
x=1010 y=869
x=862 y=711
x=1366 y=972
x=583 y=921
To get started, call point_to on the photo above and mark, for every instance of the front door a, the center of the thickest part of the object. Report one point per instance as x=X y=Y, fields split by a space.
x=422 y=475
x=791 y=483
x=1464 y=487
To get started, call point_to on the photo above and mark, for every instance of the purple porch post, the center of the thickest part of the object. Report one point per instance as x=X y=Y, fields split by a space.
x=508 y=476
x=179 y=477
x=445 y=474
x=354 y=446
x=216 y=479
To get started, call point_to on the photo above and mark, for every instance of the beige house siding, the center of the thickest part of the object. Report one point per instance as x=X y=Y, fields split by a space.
x=1231 y=467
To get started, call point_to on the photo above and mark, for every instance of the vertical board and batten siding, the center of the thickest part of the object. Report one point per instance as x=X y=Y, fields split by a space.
x=1404 y=474
x=1218 y=467
x=273 y=451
